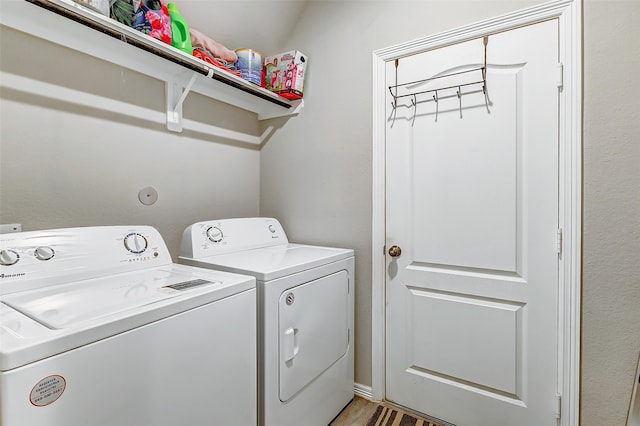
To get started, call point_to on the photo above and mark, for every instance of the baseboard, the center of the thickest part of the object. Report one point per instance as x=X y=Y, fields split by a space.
x=363 y=391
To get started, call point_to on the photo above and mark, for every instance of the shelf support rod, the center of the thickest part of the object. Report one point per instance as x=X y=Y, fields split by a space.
x=174 y=107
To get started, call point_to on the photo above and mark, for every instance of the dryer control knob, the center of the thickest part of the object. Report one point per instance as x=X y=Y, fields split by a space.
x=135 y=243
x=44 y=253
x=215 y=234
x=9 y=257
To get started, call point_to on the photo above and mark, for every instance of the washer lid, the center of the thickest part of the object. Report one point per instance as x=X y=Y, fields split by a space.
x=270 y=263
x=37 y=324
x=69 y=305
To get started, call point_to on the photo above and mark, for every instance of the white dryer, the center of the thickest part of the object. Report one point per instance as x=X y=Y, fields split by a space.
x=305 y=315
x=99 y=327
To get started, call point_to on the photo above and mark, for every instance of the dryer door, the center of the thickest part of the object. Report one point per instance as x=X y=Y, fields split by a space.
x=313 y=321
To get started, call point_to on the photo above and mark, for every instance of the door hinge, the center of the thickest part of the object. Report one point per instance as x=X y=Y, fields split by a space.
x=558 y=406
x=559 y=242
x=560 y=75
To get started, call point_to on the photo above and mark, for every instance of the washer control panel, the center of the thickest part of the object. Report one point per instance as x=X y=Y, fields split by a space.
x=39 y=258
x=230 y=235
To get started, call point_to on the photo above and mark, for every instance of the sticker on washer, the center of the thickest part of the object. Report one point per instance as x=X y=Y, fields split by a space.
x=47 y=390
x=185 y=285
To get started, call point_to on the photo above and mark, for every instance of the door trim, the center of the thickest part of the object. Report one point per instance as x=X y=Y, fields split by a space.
x=569 y=15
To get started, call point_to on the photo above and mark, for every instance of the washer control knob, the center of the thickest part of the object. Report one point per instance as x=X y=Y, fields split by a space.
x=215 y=234
x=44 y=253
x=9 y=257
x=135 y=243
x=272 y=229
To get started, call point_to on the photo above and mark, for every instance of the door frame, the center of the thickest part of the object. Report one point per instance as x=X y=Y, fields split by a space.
x=569 y=15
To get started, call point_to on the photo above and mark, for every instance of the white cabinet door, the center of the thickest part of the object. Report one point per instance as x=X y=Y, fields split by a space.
x=472 y=200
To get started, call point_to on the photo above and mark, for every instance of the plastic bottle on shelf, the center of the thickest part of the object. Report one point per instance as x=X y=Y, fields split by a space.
x=181 y=38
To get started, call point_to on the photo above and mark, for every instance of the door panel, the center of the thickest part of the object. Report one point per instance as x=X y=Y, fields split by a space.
x=313 y=321
x=467 y=176
x=483 y=329
x=472 y=199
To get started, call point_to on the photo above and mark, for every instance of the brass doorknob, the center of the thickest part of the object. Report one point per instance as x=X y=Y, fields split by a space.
x=395 y=251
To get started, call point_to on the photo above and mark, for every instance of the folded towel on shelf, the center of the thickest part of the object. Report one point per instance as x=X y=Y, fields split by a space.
x=202 y=53
x=216 y=49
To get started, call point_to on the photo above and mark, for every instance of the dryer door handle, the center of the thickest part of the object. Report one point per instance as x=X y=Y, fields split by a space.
x=290 y=344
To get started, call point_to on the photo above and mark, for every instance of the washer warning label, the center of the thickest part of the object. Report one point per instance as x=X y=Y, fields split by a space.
x=47 y=390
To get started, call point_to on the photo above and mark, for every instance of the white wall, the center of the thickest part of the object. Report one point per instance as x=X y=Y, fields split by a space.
x=65 y=165
x=611 y=228
x=316 y=172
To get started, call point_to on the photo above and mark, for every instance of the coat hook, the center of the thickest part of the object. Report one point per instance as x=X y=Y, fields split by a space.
x=394 y=103
x=486 y=97
x=415 y=109
x=459 y=93
x=395 y=111
x=435 y=99
x=394 y=106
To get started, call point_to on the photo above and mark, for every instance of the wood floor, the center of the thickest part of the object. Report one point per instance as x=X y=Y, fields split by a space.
x=356 y=413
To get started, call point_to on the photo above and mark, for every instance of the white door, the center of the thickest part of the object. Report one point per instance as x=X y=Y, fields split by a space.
x=472 y=201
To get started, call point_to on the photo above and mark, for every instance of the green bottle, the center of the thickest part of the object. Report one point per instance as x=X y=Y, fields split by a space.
x=180 y=36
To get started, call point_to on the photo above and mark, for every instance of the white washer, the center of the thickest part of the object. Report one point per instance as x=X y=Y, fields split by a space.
x=99 y=327
x=305 y=315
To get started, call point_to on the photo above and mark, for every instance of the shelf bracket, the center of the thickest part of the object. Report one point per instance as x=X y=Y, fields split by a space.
x=175 y=97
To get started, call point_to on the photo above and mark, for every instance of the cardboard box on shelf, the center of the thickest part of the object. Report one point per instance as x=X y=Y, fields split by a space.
x=284 y=73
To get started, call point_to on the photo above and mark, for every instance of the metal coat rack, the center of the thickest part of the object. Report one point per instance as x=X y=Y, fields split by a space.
x=393 y=90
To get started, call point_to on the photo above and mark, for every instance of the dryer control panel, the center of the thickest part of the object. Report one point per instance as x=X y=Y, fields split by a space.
x=37 y=259
x=231 y=235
